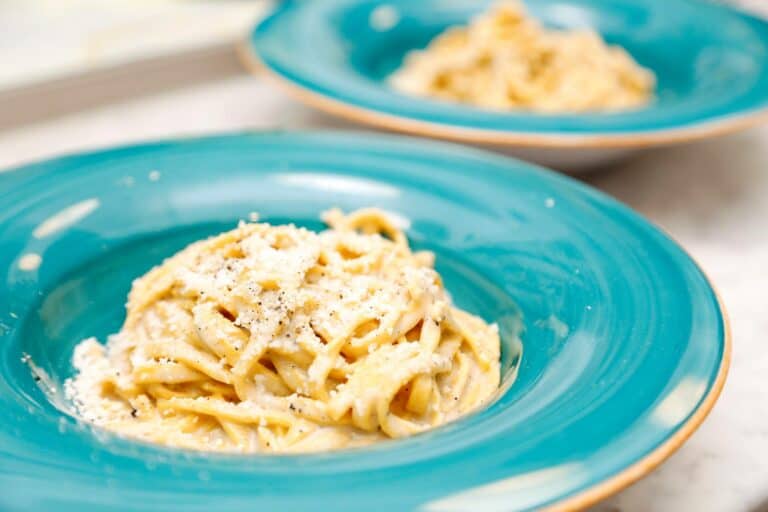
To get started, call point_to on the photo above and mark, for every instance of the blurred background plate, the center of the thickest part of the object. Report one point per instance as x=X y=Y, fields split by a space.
x=710 y=59
x=625 y=345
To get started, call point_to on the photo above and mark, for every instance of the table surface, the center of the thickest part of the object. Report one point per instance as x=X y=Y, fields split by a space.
x=44 y=40
x=712 y=196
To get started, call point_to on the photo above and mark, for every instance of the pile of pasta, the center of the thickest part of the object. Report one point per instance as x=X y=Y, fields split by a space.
x=280 y=339
x=506 y=60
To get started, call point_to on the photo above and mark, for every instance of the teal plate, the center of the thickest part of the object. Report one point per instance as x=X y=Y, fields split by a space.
x=711 y=62
x=625 y=345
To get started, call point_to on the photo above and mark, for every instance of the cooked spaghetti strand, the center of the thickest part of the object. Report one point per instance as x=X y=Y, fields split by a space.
x=276 y=338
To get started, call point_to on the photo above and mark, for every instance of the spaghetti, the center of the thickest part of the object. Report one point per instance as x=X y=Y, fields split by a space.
x=506 y=60
x=280 y=339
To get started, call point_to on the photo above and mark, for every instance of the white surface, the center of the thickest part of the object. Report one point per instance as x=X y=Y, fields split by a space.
x=46 y=39
x=712 y=196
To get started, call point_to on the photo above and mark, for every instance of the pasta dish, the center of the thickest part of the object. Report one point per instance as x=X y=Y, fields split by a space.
x=280 y=339
x=506 y=60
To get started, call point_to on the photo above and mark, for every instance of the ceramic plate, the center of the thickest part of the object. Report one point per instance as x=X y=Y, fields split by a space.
x=711 y=62
x=625 y=346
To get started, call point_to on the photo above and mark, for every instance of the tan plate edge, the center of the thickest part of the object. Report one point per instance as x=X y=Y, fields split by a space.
x=338 y=108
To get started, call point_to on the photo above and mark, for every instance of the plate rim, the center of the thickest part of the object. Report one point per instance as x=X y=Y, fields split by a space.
x=597 y=491
x=249 y=57
x=623 y=478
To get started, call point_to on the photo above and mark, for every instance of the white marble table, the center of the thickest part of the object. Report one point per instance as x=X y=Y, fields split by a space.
x=712 y=196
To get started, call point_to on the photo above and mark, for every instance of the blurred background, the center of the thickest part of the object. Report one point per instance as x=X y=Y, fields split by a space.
x=63 y=56
x=80 y=74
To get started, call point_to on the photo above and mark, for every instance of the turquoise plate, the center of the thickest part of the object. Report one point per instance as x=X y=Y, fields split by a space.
x=625 y=346
x=711 y=62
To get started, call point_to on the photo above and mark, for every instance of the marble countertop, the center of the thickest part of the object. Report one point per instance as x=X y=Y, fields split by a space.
x=712 y=196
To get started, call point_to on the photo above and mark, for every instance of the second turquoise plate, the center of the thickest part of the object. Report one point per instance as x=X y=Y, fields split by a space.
x=625 y=345
x=711 y=62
